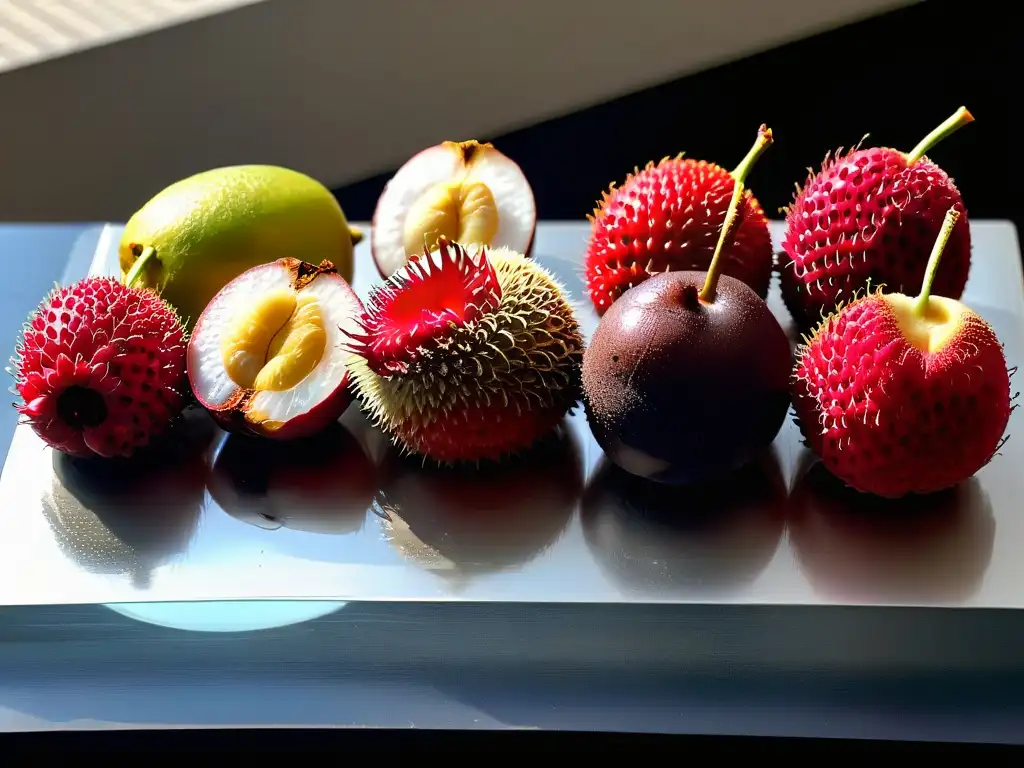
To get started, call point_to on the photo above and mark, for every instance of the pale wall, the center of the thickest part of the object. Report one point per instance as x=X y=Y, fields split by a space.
x=344 y=89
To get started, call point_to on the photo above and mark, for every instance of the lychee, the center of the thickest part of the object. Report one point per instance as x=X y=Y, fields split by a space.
x=468 y=354
x=870 y=217
x=100 y=368
x=687 y=375
x=267 y=355
x=668 y=217
x=465 y=191
x=901 y=395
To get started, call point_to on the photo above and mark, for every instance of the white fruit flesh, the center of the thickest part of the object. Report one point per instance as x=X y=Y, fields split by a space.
x=262 y=334
x=483 y=201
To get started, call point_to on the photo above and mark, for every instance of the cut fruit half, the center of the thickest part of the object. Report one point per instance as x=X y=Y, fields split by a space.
x=267 y=356
x=465 y=191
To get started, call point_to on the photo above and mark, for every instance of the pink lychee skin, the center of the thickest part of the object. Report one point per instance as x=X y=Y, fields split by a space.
x=100 y=368
x=868 y=219
x=891 y=420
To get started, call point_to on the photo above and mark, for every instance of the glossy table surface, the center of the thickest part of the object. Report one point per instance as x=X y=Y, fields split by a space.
x=345 y=518
x=695 y=666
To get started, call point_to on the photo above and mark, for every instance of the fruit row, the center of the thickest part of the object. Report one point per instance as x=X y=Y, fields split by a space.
x=235 y=291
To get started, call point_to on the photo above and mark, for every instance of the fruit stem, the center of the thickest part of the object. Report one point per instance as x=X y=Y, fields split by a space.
x=140 y=264
x=764 y=140
x=921 y=304
x=953 y=123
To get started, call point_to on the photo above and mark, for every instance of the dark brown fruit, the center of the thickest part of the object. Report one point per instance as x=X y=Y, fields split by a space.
x=680 y=390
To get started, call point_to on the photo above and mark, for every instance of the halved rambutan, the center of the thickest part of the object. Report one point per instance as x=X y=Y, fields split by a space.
x=468 y=354
x=465 y=191
x=267 y=355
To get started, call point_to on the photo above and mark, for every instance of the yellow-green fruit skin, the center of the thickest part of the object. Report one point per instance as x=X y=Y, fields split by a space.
x=209 y=228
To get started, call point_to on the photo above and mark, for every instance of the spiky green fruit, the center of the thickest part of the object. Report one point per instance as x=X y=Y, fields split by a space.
x=468 y=354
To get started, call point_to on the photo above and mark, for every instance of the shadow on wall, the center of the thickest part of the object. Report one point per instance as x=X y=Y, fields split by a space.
x=895 y=76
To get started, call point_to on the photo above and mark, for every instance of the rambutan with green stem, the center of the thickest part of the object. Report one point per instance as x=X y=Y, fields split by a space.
x=468 y=354
x=870 y=217
x=900 y=394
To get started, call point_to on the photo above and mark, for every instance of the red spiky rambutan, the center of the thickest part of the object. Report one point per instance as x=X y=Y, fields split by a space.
x=100 y=368
x=667 y=218
x=870 y=217
x=467 y=356
x=901 y=395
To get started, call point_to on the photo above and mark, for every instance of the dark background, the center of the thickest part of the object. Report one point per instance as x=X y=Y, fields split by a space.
x=895 y=76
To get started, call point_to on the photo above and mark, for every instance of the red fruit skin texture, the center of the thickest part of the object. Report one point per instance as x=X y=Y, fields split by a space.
x=490 y=433
x=100 y=369
x=472 y=359
x=890 y=420
x=868 y=217
x=668 y=217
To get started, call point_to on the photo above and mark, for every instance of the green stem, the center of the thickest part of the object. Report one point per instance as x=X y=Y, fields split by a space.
x=764 y=140
x=953 y=123
x=921 y=303
x=140 y=264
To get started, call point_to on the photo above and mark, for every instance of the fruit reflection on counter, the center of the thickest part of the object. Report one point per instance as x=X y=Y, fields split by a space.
x=468 y=354
x=200 y=233
x=461 y=521
x=858 y=548
x=130 y=516
x=902 y=395
x=465 y=191
x=100 y=369
x=656 y=539
x=687 y=375
x=268 y=354
x=869 y=218
x=321 y=484
x=668 y=217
